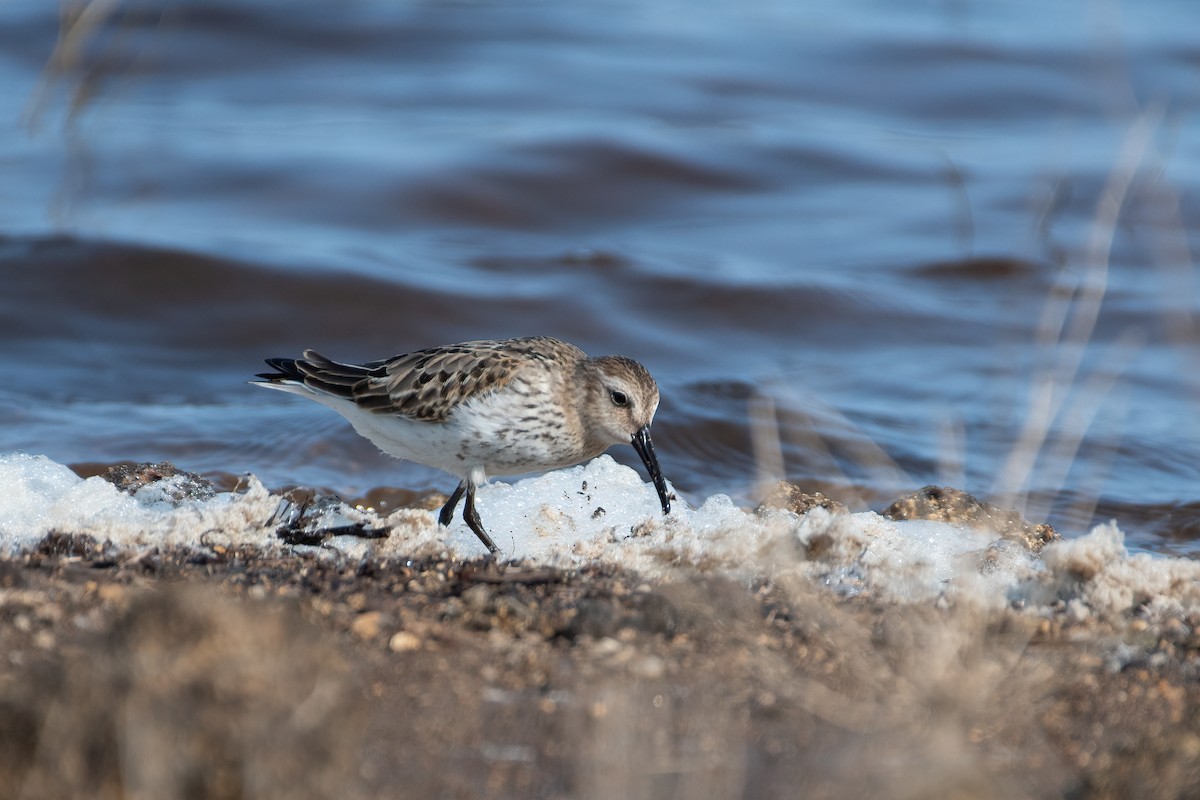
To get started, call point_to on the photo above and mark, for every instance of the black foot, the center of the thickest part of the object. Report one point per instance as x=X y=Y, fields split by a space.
x=471 y=516
x=447 y=515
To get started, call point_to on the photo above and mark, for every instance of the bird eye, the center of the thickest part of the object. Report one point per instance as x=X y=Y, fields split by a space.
x=619 y=398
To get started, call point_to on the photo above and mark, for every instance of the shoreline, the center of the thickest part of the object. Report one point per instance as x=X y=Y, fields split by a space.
x=304 y=673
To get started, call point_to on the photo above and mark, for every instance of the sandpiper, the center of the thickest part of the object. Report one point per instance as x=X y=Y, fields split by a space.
x=494 y=407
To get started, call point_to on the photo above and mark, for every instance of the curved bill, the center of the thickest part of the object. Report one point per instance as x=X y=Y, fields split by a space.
x=645 y=448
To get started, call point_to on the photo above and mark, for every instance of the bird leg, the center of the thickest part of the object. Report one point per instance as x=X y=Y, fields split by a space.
x=472 y=518
x=447 y=515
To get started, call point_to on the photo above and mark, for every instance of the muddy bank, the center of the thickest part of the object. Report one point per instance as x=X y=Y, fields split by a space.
x=231 y=672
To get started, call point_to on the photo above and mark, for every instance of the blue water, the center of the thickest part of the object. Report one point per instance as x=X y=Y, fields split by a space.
x=858 y=213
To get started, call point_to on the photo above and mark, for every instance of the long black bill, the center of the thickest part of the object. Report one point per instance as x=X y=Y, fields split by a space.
x=645 y=449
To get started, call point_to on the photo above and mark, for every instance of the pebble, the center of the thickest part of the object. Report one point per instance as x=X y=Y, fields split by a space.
x=404 y=642
x=366 y=626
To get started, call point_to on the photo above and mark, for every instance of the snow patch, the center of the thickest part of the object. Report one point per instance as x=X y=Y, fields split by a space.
x=38 y=496
x=604 y=511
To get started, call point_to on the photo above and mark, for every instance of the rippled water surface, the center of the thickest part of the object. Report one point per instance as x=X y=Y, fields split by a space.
x=867 y=246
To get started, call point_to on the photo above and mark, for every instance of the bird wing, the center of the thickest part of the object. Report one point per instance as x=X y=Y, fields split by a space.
x=429 y=384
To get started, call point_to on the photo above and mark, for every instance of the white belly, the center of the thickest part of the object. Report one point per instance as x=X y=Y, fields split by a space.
x=495 y=435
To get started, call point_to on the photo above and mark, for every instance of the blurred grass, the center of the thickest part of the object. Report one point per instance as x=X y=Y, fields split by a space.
x=93 y=42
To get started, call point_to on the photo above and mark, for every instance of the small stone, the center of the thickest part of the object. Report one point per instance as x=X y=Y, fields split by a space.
x=111 y=593
x=944 y=504
x=649 y=668
x=607 y=646
x=789 y=497
x=366 y=626
x=478 y=598
x=404 y=642
x=183 y=486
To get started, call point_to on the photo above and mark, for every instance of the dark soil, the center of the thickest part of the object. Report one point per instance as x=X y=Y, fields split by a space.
x=238 y=674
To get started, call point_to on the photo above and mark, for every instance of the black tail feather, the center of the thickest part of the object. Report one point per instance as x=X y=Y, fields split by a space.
x=317 y=372
x=285 y=370
x=315 y=364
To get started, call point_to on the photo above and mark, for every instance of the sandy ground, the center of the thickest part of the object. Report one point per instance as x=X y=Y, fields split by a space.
x=237 y=674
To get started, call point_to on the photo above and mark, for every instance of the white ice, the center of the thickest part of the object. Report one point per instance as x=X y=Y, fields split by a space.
x=604 y=511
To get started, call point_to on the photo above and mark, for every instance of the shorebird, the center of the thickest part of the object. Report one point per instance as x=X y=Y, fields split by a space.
x=489 y=407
